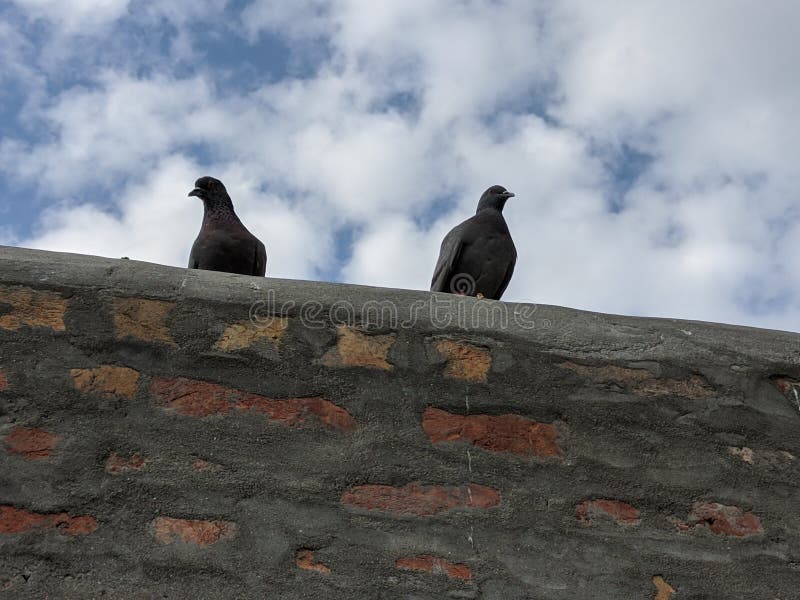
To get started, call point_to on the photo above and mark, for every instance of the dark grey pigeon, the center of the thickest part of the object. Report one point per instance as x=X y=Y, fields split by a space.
x=478 y=256
x=224 y=244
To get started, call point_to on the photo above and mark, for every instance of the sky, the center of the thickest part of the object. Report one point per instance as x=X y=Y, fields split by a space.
x=652 y=145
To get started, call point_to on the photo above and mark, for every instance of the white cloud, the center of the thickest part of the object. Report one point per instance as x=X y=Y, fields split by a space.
x=75 y=15
x=420 y=103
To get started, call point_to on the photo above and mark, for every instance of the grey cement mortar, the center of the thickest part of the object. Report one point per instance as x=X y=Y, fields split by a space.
x=282 y=485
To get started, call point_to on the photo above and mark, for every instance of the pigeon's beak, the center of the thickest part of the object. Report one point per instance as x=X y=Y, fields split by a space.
x=508 y=194
x=196 y=192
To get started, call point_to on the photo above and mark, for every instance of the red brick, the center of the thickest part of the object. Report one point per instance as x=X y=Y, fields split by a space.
x=190 y=531
x=193 y=398
x=503 y=433
x=3 y=380
x=722 y=520
x=203 y=399
x=433 y=564
x=305 y=560
x=18 y=520
x=116 y=464
x=298 y=411
x=622 y=513
x=420 y=500
x=31 y=443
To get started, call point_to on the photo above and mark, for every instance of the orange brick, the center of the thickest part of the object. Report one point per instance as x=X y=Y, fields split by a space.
x=33 y=308
x=664 y=590
x=142 y=319
x=465 y=361
x=358 y=349
x=246 y=333
x=305 y=560
x=106 y=380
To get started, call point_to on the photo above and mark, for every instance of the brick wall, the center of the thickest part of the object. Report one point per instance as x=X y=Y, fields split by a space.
x=167 y=433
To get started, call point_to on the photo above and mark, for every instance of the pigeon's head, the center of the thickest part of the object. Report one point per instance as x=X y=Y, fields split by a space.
x=495 y=197
x=211 y=191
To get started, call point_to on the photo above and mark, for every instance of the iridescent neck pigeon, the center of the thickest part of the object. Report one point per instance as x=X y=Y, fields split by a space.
x=477 y=257
x=224 y=244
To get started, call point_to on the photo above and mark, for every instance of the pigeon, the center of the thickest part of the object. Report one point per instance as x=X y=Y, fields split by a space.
x=478 y=256
x=224 y=244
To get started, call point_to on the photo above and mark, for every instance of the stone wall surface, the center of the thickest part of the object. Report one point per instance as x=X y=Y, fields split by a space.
x=167 y=433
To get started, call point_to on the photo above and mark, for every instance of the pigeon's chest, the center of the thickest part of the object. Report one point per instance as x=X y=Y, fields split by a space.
x=490 y=247
x=222 y=248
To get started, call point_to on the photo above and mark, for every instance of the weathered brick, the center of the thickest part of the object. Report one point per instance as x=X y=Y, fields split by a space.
x=201 y=465
x=722 y=520
x=433 y=564
x=465 y=361
x=193 y=398
x=116 y=464
x=203 y=399
x=246 y=333
x=192 y=531
x=785 y=385
x=18 y=520
x=358 y=349
x=299 y=411
x=106 y=380
x=32 y=308
x=304 y=559
x=502 y=433
x=142 y=319
x=744 y=453
x=641 y=381
x=664 y=590
x=420 y=500
x=622 y=513
x=31 y=443
x=789 y=388
x=3 y=380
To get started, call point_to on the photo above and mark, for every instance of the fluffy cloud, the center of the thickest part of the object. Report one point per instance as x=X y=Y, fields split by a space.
x=650 y=147
x=76 y=15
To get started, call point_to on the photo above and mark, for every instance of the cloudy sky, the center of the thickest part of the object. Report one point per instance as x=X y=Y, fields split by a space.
x=652 y=145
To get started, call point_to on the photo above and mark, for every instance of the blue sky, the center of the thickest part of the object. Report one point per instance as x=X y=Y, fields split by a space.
x=651 y=145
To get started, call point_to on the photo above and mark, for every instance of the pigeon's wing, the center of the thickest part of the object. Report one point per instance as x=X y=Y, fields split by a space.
x=507 y=277
x=260 y=259
x=451 y=249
